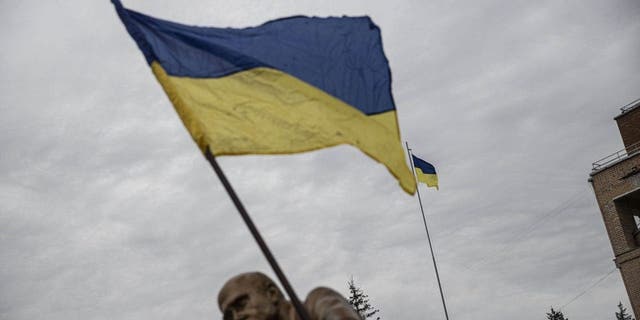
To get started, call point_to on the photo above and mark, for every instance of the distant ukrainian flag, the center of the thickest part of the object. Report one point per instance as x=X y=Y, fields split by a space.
x=425 y=172
x=290 y=85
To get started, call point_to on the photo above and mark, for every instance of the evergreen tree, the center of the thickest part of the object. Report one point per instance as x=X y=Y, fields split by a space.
x=555 y=315
x=623 y=315
x=360 y=302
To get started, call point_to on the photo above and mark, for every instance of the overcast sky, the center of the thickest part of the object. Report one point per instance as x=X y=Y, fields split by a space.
x=109 y=211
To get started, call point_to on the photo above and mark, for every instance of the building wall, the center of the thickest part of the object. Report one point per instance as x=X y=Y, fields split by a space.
x=629 y=126
x=618 y=180
x=630 y=271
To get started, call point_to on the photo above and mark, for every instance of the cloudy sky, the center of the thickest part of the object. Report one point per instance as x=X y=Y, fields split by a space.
x=108 y=210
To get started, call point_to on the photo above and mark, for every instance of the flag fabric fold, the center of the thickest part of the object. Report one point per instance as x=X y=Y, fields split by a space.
x=290 y=85
x=425 y=172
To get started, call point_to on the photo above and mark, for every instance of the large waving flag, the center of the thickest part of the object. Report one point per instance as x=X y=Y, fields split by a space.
x=425 y=172
x=290 y=85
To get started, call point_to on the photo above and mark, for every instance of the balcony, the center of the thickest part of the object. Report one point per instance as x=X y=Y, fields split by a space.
x=616 y=157
x=629 y=106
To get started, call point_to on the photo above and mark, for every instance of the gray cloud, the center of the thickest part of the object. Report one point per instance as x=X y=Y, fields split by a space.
x=107 y=210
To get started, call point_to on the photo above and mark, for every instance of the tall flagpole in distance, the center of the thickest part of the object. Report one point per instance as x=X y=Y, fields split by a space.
x=424 y=219
x=302 y=312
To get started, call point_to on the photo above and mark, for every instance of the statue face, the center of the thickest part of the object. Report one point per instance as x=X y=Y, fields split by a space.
x=243 y=302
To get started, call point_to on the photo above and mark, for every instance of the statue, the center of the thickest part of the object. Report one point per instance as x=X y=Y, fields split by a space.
x=253 y=296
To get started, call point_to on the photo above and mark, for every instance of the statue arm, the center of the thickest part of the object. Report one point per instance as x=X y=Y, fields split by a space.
x=326 y=304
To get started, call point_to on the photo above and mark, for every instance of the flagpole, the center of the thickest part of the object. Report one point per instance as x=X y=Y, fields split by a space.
x=302 y=312
x=424 y=220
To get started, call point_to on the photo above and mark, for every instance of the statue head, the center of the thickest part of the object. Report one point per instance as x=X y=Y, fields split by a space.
x=250 y=296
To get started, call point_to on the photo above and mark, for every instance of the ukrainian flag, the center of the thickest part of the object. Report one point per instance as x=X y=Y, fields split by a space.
x=425 y=172
x=290 y=85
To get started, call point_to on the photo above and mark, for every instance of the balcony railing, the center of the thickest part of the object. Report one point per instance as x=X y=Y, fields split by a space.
x=630 y=106
x=616 y=156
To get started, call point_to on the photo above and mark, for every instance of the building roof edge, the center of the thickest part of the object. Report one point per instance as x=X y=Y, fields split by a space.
x=628 y=108
x=609 y=165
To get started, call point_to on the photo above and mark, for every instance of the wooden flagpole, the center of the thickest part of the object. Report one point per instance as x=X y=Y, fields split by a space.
x=302 y=312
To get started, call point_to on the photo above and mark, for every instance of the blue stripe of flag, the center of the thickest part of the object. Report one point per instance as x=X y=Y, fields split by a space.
x=426 y=167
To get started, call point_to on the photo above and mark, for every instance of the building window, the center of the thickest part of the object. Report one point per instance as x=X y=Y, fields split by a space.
x=628 y=210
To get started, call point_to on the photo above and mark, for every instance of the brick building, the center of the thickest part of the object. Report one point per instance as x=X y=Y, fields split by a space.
x=616 y=184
